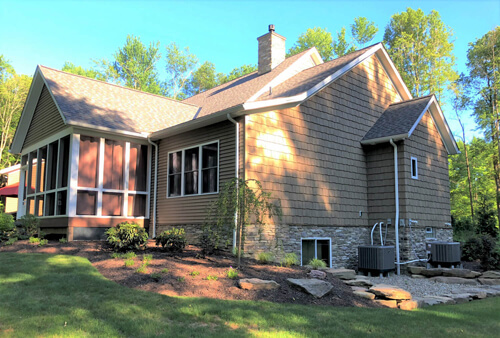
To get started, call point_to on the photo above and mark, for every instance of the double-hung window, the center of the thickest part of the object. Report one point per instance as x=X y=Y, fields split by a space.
x=194 y=171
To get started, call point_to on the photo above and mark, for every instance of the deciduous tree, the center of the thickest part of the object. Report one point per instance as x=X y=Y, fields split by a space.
x=180 y=65
x=79 y=70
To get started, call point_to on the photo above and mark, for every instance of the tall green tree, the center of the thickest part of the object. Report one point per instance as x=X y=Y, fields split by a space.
x=314 y=37
x=135 y=66
x=79 y=70
x=14 y=89
x=203 y=78
x=239 y=72
x=363 y=30
x=484 y=86
x=180 y=65
x=421 y=47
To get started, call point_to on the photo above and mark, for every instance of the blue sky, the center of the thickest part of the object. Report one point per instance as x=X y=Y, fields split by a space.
x=52 y=32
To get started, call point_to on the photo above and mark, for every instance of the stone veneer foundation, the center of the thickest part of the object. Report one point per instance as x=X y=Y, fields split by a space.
x=345 y=240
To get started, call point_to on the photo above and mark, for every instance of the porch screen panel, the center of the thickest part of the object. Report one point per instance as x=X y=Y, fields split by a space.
x=52 y=166
x=112 y=204
x=191 y=171
x=61 y=202
x=210 y=168
x=39 y=206
x=308 y=250
x=63 y=164
x=88 y=162
x=138 y=167
x=174 y=173
x=50 y=200
x=136 y=205
x=113 y=164
x=323 y=250
x=86 y=203
x=32 y=172
x=42 y=164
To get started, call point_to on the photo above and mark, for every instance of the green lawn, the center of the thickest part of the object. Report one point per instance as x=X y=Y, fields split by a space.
x=49 y=295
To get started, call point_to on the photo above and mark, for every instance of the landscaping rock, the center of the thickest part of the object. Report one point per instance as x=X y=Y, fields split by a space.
x=359 y=281
x=257 y=284
x=315 y=287
x=418 y=276
x=408 y=305
x=475 y=293
x=459 y=298
x=364 y=294
x=432 y=272
x=435 y=300
x=358 y=288
x=489 y=281
x=345 y=274
x=390 y=292
x=317 y=274
x=389 y=303
x=491 y=274
x=454 y=280
x=462 y=273
x=415 y=270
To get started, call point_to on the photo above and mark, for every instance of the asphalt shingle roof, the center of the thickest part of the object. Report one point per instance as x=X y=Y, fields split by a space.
x=84 y=100
x=398 y=118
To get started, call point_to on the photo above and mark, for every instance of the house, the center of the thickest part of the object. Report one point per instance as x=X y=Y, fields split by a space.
x=324 y=137
x=10 y=185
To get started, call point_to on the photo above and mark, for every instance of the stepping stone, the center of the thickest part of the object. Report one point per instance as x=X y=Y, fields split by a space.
x=345 y=274
x=462 y=273
x=359 y=281
x=418 y=276
x=432 y=272
x=454 y=280
x=415 y=270
x=459 y=298
x=489 y=281
x=364 y=294
x=390 y=292
x=358 y=288
x=257 y=284
x=317 y=274
x=389 y=303
x=408 y=305
x=317 y=288
x=491 y=274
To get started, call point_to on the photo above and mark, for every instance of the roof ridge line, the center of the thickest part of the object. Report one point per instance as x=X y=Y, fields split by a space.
x=116 y=85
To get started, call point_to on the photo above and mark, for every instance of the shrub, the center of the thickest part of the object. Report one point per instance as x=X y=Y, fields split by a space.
x=29 y=226
x=265 y=257
x=43 y=242
x=483 y=248
x=290 y=259
x=210 y=277
x=146 y=259
x=11 y=241
x=142 y=269
x=127 y=236
x=7 y=227
x=156 y=277
x=317 y=263
x=172 y=240
x=232 y=273
x=194 y=273
x=63 y=240
x=181 y=279
x=129 y=262
x=34 y=240
x=164 y=270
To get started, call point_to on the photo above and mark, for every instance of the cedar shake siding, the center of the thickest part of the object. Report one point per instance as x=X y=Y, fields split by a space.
x=426 y=199
x=46 y=120
x=191 y=210
x=311 y=157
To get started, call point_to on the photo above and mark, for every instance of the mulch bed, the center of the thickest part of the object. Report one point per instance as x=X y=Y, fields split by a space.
x=179 y=280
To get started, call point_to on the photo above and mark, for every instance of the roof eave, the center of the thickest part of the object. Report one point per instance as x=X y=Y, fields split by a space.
x=384 y=139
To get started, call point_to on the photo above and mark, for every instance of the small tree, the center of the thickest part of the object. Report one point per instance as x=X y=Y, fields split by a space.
x=241 y=202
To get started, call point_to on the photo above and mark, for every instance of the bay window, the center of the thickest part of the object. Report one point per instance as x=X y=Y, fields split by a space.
x=194 y=170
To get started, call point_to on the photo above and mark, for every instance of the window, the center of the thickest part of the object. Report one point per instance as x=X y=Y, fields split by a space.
x=414 y=168
x=188 y=175
x=429 y=232
x=112 y=178
x=319 y=248
x=45 y=174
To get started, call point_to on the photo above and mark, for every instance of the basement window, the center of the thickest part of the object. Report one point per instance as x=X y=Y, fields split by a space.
x=319 y=248
x=414 y=168
x=430 y=233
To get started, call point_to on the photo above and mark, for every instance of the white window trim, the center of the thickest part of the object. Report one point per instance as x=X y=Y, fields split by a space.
x=432 y=232
x=416 y=168
x=100 y=179
x=329 y=239
x=200 y=163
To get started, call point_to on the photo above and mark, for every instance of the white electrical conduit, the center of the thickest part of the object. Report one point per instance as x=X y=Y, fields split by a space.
x=237 y=174
x=396 y=193
x=154 y=187
x=380 y=228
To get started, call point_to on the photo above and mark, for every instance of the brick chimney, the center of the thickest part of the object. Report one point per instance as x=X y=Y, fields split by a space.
x=271 y=50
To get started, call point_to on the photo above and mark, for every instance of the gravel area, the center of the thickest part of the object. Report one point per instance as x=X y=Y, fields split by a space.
x=419 y=287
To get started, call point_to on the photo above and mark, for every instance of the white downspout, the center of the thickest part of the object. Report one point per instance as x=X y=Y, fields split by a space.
x=396 y=187
x=237 y=165
x=154 y=187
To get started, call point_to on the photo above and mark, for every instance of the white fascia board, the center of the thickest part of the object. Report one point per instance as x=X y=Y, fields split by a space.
x=443 y=128
x=10 y=169
x=393 y=73
x=296 y=100
x=108 y=130
x=291 y=71
x=420 y=117
x=27 y=113
x=385 y=139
